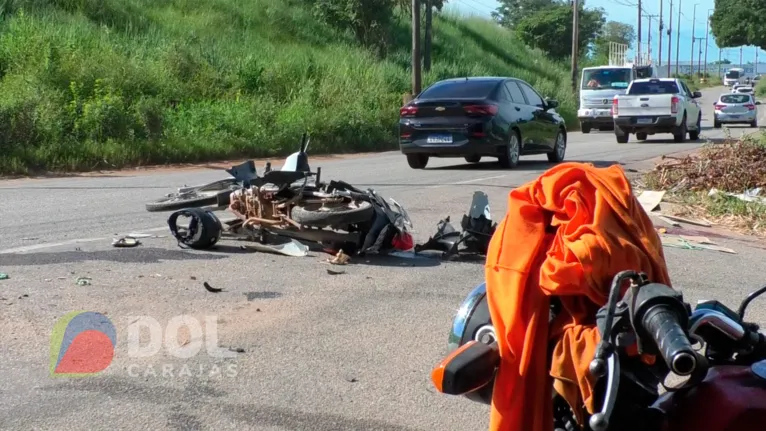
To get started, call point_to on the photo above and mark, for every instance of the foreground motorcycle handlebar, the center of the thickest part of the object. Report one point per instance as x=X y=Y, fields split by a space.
x=663 y=324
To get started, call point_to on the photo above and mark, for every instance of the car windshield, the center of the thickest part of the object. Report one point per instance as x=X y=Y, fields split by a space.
x=732 y=74
x=735 y=98
x=604 y=79
x=654 y=87
x=459 y=89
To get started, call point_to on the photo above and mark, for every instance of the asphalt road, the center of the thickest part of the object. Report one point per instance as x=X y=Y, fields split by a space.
x=319 y=351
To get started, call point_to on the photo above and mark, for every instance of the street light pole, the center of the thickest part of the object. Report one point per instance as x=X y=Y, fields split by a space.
x=659 y=44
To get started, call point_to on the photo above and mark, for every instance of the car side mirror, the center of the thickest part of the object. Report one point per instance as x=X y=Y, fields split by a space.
x=552 y=104
x=696 y=95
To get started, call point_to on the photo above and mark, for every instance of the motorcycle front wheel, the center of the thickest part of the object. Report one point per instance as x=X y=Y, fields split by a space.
x=317 y=215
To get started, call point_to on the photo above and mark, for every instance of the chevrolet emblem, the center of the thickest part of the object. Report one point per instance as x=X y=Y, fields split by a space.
x=440 y=108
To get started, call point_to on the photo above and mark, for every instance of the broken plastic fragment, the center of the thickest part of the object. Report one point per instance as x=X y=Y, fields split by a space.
x=291 y=248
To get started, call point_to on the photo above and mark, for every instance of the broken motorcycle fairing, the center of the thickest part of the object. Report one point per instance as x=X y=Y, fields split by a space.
x=477 y=229
x=204 y=228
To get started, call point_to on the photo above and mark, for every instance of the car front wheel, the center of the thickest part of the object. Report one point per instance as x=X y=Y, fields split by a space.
x=510 y=159
x=559 y=148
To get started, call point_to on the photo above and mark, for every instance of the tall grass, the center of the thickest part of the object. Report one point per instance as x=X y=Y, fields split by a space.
x=88 y=84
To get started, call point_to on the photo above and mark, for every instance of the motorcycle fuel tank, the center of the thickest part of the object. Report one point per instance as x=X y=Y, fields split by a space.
x=731 y=398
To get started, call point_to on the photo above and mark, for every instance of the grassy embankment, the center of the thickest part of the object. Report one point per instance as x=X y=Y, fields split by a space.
x=93 y=84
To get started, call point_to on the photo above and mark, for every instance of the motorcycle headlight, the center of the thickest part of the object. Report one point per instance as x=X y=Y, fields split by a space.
x=472 y=321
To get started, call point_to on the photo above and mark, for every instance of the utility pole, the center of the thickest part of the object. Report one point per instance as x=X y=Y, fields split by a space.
x=575 y=41
x=659 y=45
x=429 y=36
x=720 y=50
x=756 y=60
x=699 y=57
x=694 y=22
x=649 y=36
x=707 y=31
x=678 y=35
x=740 y=58
x=638 y=60
x=670 y=34
x=416 y=72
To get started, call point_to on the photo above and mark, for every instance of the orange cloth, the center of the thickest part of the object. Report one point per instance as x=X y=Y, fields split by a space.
x=567 y=233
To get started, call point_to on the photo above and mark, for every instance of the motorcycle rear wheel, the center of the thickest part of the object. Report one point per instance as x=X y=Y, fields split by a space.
x=316 y=215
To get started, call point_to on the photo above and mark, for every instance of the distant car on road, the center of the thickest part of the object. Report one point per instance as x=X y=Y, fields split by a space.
x=735 y=108
x=481 y=117
x=743 y=90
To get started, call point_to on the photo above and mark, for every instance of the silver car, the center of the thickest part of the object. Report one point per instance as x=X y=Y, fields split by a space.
x=736 y=108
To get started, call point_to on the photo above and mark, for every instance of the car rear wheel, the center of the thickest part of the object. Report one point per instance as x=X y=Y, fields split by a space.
x=754 y=123
x=559 y=148
x=620 y=135
x=512 y=151
x=473 y=159
x=585 y=128
x=716 y=124
x=417 y=161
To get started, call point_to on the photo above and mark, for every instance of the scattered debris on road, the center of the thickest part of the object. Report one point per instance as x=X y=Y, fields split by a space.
x=334 y=272
x=289 y=248
x=83 y=281
x=340 y=258
x=693 y=243
x=722 y=182
x=237 y=349
x=4 y=276
x=477 y=229
x=125 y=241
x=210 y=288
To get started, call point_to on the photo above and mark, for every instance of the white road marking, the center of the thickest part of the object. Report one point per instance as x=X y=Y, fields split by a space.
x=468 y=181
x=43 y=246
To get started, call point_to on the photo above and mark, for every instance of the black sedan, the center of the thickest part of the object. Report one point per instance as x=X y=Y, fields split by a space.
x=475 y=117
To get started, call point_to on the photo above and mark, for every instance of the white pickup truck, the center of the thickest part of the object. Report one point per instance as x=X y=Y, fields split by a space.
x=651 y=106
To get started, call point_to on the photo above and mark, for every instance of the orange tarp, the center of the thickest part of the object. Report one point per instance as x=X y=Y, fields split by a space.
x=567 y=233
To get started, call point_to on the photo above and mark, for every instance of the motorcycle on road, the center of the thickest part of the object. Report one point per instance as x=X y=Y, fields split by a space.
x=721 y=356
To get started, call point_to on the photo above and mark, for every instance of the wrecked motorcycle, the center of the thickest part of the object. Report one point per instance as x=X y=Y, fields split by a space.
x=293 y=203
x=721 y=356
x=217 y=193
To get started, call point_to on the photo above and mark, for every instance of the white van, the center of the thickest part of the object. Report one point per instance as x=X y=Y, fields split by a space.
x=733 y=76
x=598 y=86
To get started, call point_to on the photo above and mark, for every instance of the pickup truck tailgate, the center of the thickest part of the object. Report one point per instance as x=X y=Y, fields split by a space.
x=644 y=105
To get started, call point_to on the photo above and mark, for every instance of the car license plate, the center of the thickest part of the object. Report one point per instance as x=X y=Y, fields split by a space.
x=644 y=121
x=439 y=139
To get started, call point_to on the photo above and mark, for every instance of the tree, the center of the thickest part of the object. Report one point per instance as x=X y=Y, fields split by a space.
x=613 y=31
x=739 y=22
x=512 y=12
x=368 y=20
x=546 y=29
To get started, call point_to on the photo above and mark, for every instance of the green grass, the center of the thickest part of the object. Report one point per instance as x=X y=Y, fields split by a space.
x=93 y=84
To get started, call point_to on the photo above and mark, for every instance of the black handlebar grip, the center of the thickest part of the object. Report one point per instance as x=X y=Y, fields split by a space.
x=662 y=323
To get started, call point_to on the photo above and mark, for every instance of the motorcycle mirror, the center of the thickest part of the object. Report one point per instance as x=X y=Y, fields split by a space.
x=743 y=306
x=468 y=368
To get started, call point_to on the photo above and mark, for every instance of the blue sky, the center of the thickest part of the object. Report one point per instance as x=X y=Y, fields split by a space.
x=618 y=10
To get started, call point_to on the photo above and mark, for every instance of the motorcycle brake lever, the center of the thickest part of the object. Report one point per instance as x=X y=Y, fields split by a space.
x=600 y=421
